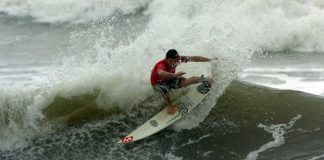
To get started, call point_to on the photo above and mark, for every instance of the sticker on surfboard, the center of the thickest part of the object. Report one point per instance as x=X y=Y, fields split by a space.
x=154 y=123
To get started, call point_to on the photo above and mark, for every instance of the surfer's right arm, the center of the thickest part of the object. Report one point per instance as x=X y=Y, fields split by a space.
x=167 y=75
x=186 y=59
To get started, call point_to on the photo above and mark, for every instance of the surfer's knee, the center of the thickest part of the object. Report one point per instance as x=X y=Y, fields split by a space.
x=189 y=81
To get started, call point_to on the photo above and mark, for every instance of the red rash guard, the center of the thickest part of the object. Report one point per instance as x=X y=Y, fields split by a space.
x=161 y=65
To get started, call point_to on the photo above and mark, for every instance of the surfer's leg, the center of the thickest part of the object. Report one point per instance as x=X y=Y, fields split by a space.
x=163 y=89
x=193 y=80
x=171 y=108
x=189 y=81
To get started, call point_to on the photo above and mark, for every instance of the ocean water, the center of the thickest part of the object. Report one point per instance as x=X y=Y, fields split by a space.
x=74 y=78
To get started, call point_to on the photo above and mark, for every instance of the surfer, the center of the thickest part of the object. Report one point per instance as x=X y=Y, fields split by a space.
x=164 y=76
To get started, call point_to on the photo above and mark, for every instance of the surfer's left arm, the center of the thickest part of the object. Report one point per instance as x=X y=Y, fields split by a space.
x=195 y=59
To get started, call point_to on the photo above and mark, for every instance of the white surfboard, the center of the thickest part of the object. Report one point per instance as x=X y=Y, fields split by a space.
x=191 y=97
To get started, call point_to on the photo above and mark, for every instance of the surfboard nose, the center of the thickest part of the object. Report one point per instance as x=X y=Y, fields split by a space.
x=125 y=140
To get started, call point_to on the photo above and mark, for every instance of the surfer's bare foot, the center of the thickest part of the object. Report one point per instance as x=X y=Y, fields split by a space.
x=209 y=80
x=172 y=109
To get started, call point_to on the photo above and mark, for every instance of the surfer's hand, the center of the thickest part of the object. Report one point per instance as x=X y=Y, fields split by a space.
x=179 y=74
x=214 y=59
x=172 y=109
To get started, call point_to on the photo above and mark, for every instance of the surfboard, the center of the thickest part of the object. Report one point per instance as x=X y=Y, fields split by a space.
x=191 y=97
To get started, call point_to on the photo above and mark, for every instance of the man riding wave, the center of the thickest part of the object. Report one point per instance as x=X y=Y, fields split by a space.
x=164 y=76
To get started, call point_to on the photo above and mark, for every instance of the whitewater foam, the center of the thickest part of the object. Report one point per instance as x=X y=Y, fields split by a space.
x=278 y=132
x=73 y=11
x=317 y=157
x=306 y=80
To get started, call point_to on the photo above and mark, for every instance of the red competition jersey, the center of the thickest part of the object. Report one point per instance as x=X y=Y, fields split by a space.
x=155 y=78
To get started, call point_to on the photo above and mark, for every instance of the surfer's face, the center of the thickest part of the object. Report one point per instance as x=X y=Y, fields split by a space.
x=173 y=62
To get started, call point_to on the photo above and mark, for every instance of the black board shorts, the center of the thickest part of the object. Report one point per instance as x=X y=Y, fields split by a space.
x=164 y=87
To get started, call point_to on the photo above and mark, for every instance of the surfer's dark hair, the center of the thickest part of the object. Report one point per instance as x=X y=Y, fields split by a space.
x=172 y=53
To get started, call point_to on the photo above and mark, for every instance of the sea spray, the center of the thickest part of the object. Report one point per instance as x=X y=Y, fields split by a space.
x=69 y=11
